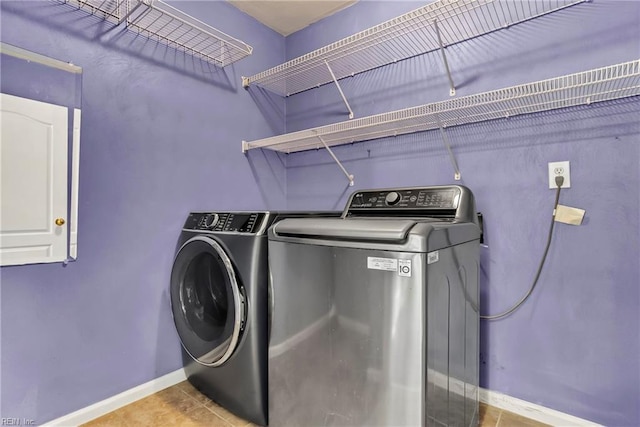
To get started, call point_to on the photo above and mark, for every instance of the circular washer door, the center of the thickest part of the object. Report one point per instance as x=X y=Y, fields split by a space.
x=207 y=302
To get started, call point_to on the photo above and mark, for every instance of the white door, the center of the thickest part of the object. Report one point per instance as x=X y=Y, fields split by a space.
x=33 y=181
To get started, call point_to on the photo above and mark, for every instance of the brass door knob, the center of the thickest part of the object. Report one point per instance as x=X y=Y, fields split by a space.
x=59 y=222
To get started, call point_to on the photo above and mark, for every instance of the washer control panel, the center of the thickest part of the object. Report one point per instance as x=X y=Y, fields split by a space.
x=436 y=198
x=442 y=203
x=233 y=222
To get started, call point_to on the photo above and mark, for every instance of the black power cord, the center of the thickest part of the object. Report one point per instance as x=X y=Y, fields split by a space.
x=559 y=182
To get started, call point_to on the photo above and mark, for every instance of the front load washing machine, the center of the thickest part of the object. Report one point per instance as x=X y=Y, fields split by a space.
x=219 y=302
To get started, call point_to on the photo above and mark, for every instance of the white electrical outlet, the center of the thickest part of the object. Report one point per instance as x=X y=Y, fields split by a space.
x=559 y=169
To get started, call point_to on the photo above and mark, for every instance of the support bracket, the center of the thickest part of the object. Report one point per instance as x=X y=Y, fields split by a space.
x=344 y=98
x=130 y=12
x=445 y=140
x=245 y=82
x=347 y=174
x=452 y=88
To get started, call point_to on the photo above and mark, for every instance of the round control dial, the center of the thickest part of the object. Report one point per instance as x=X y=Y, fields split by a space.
x=392 y=198
x=210 y=220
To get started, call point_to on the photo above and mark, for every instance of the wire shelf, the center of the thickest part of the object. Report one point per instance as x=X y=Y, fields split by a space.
x=166 y=24
x=602 y=84
x=400 y=38
x=111 y=10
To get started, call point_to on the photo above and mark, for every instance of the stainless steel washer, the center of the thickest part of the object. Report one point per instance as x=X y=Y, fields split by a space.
x=374 y=318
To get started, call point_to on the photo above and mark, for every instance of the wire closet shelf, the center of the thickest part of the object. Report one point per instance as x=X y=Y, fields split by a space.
x=111 y=10
x=166 y=24
x=584 y=88
x=405 y=36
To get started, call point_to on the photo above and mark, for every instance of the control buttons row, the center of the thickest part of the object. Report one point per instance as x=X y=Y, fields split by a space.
x=230 y=223
x=436 y=199
x=248 y=227
x=222 y=220
x=414 y=198
x=207 y=221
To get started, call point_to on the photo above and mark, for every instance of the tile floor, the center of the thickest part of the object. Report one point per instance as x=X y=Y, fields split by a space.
x=184 y=406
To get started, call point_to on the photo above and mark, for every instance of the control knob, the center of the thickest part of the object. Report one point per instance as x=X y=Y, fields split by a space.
x=210 y=220
x=392 y=198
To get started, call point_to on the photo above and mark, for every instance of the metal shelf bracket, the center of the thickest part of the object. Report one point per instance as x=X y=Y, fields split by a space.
x=347 y=174
x=445 y=140
x=344 y=98
x=452 y=88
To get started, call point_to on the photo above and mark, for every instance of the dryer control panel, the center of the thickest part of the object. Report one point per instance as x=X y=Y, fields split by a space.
x=233 y=222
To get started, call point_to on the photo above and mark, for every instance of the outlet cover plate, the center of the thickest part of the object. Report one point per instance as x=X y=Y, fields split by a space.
x=559 y=168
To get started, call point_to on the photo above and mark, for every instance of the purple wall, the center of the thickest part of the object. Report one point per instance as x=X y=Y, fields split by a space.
x=161 y=136
x=574 y=345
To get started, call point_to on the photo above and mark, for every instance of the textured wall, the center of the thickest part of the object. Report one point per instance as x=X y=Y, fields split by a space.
x=161 y=136
x=574 y=345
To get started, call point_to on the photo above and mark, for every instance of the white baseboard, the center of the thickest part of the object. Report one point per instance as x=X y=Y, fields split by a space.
x=101 y=408
x=512 y=404
x=532 y=410
x=493 y=398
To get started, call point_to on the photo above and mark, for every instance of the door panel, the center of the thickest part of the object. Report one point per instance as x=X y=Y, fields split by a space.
x=207 y=301
x=33 y=160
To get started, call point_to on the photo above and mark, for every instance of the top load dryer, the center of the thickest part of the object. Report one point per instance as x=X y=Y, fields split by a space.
x=374 y=315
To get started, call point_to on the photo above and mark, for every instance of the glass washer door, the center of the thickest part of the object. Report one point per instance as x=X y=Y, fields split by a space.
x=207 y=302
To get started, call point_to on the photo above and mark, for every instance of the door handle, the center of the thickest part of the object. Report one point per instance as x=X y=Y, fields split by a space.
x=59 y=222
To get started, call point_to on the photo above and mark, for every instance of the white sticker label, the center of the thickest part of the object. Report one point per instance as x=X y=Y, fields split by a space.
x=404 y=267
x=387 y=264
x=433 y=257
